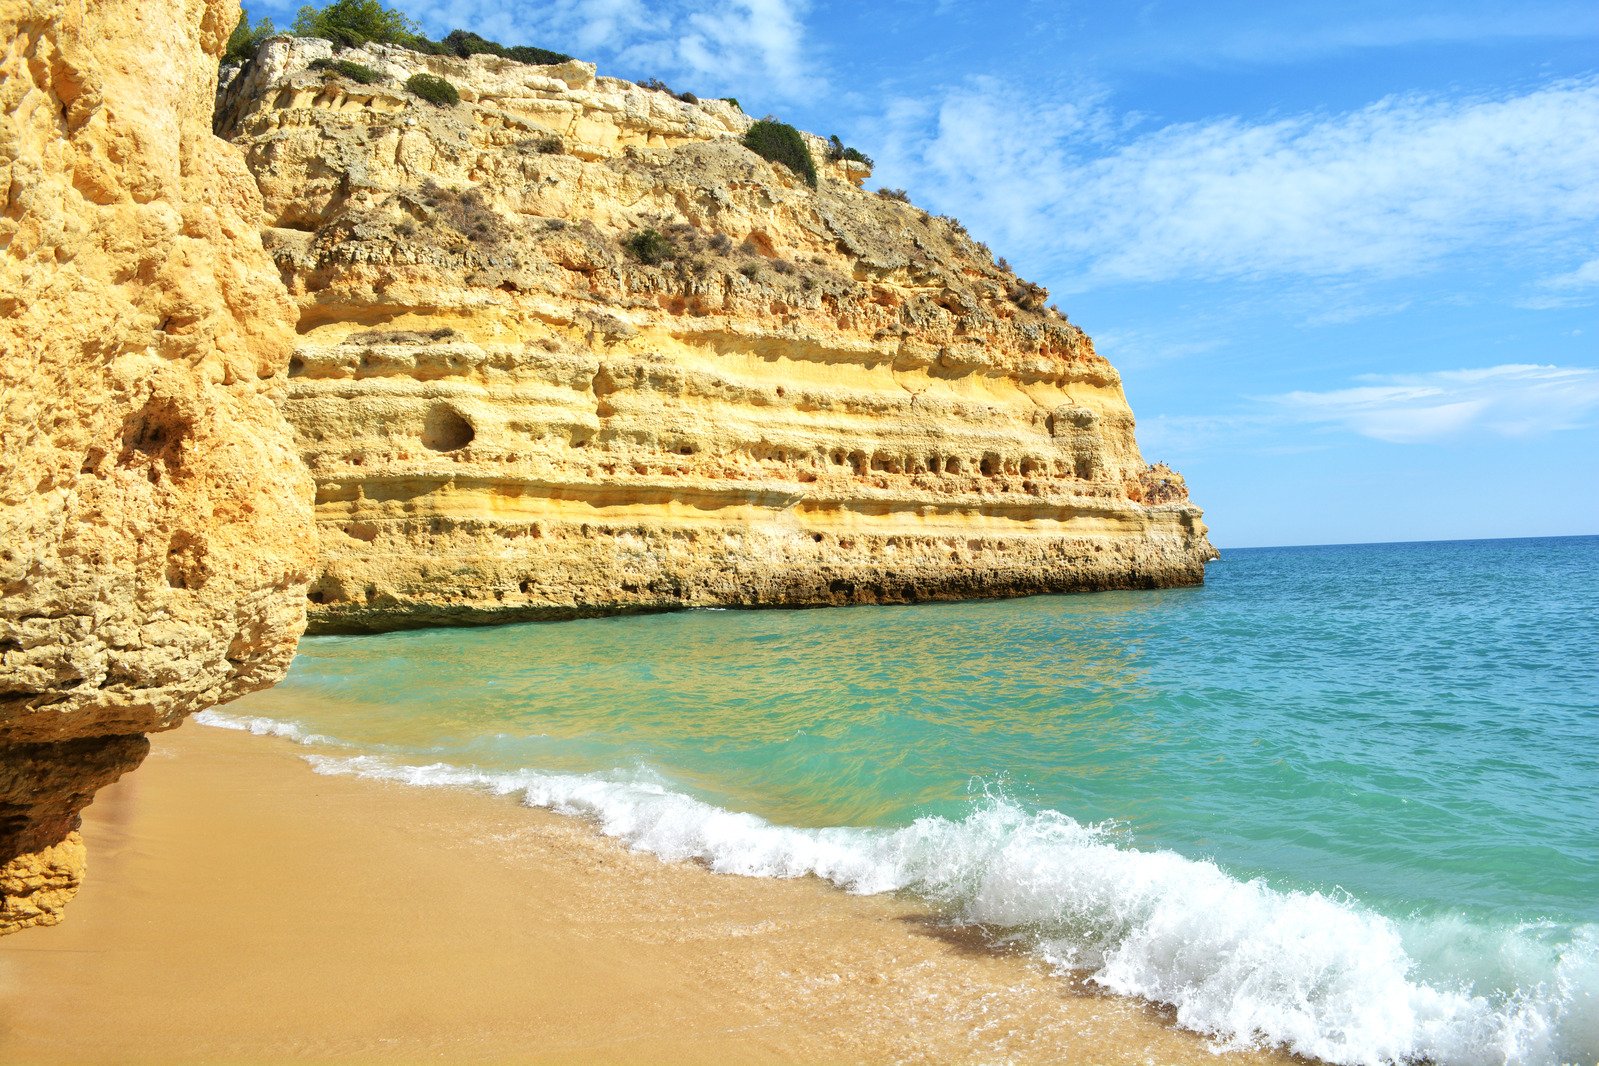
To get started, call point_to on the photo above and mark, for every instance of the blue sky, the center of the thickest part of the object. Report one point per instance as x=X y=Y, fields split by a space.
x=1345 y=255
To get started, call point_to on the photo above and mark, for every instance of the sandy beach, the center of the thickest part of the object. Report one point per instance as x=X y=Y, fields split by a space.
x=243 y=908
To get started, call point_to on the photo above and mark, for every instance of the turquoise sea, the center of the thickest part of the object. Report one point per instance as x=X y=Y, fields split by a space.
x=1343 y=799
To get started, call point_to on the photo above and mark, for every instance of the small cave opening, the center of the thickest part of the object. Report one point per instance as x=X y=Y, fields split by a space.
x=446 y=429
x=156 y=431
x=186 y=566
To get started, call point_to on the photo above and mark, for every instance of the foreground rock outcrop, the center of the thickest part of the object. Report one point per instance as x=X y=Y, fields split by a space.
x=799 y=396
x=155 y=534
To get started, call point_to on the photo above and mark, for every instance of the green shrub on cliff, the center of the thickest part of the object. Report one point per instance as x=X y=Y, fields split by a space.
x=352 y=23
x=839 y=152
x=650 y=247
x=779 y=142
x=433 y=89
x=354 y=71
x=245 y=38
x=464 y=44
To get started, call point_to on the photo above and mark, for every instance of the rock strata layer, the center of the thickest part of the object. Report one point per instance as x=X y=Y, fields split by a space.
x=800 y=396
x=155 y=533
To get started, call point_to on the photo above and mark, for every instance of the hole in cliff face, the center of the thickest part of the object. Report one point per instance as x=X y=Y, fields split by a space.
x=991 y=465
x=952 y=465
x=445 y=430
x=331 y=589
x=186 y=567
x=1085 y=467
x=155 y=432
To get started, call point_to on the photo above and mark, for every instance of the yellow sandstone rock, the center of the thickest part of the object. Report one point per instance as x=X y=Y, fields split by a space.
x=38 y=886
x=155 y=534
x=806 y=396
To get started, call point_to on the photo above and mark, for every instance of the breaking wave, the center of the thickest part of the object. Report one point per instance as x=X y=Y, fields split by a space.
x=1241 y=961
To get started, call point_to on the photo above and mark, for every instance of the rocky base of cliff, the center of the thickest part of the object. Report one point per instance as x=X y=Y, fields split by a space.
x=35 y=888
x=43 y=790
x=571 y=570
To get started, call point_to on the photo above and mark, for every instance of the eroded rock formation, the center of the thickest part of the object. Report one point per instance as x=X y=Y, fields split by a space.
x=814 y=396
x=155 y=536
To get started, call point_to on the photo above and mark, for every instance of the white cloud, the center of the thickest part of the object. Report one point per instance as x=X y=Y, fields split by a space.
x=1291 y=33
x=1512 y=400
x=710 y=45
x=1575 y=288
x=1391 y=189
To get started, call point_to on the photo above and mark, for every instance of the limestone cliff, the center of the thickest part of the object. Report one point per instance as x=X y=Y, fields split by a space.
x=803 y=396
x=155 y=531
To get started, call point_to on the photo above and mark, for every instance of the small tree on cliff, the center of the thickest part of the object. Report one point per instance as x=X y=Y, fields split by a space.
x=781 y=143
x=352 y=23
x=245 y=38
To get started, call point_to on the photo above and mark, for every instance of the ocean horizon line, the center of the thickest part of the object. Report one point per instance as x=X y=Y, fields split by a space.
x=1390 y=543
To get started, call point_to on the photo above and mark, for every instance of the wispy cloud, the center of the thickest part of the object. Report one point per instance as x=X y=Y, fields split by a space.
x=1391 y=189
x=1180 y=437
x=1150 y=347
x=713 y=45
x=1291 y=34
x=1574 y=288
x=1512 y=400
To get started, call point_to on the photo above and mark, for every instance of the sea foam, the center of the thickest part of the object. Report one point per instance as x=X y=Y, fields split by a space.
x=1241 y=961
x=264 y=727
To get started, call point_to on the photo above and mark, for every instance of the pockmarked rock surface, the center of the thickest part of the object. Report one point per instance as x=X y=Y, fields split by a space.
x=800 y=396
x=155 y=522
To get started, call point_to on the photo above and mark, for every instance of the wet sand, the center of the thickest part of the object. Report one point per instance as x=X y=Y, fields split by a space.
x=241 y=908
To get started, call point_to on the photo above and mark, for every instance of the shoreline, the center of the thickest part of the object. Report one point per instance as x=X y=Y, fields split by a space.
x=239 y=906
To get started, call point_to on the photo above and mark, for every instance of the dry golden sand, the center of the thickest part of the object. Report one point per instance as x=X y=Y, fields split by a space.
x=241 y=908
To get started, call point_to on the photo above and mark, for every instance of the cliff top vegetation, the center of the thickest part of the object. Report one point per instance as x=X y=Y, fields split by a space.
x=353 y=23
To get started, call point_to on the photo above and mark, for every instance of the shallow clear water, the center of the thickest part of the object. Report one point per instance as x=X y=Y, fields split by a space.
x=1340 y=798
